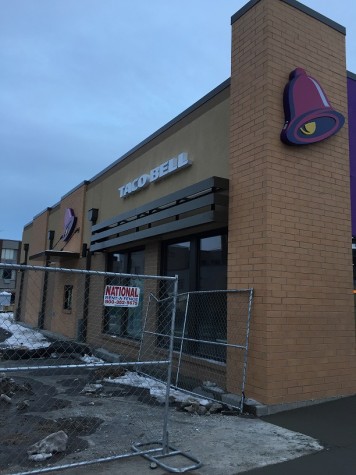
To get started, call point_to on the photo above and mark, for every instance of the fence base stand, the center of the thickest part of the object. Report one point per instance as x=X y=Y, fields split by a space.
x=172 y=452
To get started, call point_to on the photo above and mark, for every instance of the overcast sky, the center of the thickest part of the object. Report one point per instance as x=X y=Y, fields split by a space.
x=84 y=81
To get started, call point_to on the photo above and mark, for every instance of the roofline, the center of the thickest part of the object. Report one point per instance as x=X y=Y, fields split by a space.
x=43 y=211
x=167 y=126
x=299 y=6
x=243 y=10
x=83 y=183
x=224 y=85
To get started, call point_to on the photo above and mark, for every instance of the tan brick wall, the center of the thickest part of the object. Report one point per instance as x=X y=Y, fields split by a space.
x=289 y=225
x=96 y=309
x=59 y=320
x=35 y=236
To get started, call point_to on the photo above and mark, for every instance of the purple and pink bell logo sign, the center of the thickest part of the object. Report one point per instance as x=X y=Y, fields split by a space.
x=70 y=221
x=309 y=116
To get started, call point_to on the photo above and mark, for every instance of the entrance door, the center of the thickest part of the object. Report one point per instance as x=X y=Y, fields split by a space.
x=120 y=321
x=201 y=265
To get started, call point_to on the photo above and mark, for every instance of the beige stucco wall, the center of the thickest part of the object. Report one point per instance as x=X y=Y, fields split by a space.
x=56 y=319
x=76 y=201
x=38 y=242
x=26 y=239
x=203 y=136
x=55 y=223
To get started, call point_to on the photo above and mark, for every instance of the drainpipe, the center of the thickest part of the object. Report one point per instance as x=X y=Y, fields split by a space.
x=83 y=324
x=41 y=316
x=19 y=302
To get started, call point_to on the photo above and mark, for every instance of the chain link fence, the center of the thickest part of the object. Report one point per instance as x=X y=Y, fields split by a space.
x=80 y=381
x=211 y=336
x=5 y=301
x=93 y=363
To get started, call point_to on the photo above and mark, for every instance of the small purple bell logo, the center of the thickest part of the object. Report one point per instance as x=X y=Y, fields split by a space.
x=309 y=116
x=70 y=221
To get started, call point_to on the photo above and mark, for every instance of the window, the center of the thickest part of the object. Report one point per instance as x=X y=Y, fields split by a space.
x=8 y=274
x=212 y=264
x=120 y=321
x=8 y=255
x=68 y=297
x=201 y=264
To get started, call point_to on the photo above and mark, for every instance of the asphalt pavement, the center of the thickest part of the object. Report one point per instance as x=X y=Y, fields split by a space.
x=333 y=424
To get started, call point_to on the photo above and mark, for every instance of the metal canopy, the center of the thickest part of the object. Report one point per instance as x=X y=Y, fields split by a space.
x=202 y=203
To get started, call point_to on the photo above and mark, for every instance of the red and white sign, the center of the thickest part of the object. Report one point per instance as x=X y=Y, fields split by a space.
x=121 y=296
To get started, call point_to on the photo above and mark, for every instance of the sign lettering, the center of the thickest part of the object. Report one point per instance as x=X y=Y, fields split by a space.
x=156 y=174
x=121 y=296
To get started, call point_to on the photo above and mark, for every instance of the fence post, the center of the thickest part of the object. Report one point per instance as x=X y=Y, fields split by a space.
x=250 y=300
x=165 y=441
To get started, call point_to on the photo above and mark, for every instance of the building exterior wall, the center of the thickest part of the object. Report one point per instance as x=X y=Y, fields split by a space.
x=42 y=297
x=31 y=300
x=22 y=288
x=351 y=97
x=203 y=136
x=289 y=228
x=26 y=239
x=75 y=200
x=289 y=221
x=57 y=318
x=14 y=248
x=54 y=224
x=39 y=235
x=10 y=251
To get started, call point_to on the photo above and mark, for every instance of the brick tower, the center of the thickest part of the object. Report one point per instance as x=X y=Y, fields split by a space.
x=289 y=218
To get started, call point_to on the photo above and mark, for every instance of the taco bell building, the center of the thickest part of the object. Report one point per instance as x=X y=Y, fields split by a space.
x=272 y=154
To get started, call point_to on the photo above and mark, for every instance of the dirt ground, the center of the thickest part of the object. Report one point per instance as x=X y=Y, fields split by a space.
x=105 y=421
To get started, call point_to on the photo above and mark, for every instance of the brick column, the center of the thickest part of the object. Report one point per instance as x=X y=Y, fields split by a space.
x=289 y=218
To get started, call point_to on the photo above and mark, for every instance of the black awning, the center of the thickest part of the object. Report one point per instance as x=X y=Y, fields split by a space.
x=53 y=253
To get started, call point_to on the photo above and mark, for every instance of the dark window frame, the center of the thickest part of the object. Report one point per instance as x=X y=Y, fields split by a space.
x=68 y=297
x=7 y=274
x=123 y=322
x=195 y=264
x=194 y=275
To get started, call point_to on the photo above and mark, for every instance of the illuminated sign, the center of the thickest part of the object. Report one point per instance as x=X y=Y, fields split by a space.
x=70 y=221
x=121 y=296
x=309 y=116
x=162 y=171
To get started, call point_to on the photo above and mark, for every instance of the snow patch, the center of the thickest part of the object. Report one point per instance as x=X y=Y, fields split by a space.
x=21 y=336
x=157 y=389
x=91 y=359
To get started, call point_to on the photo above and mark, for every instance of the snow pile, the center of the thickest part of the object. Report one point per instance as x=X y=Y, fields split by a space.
x=157 y=389
x=21 y=336
x=91 y=359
